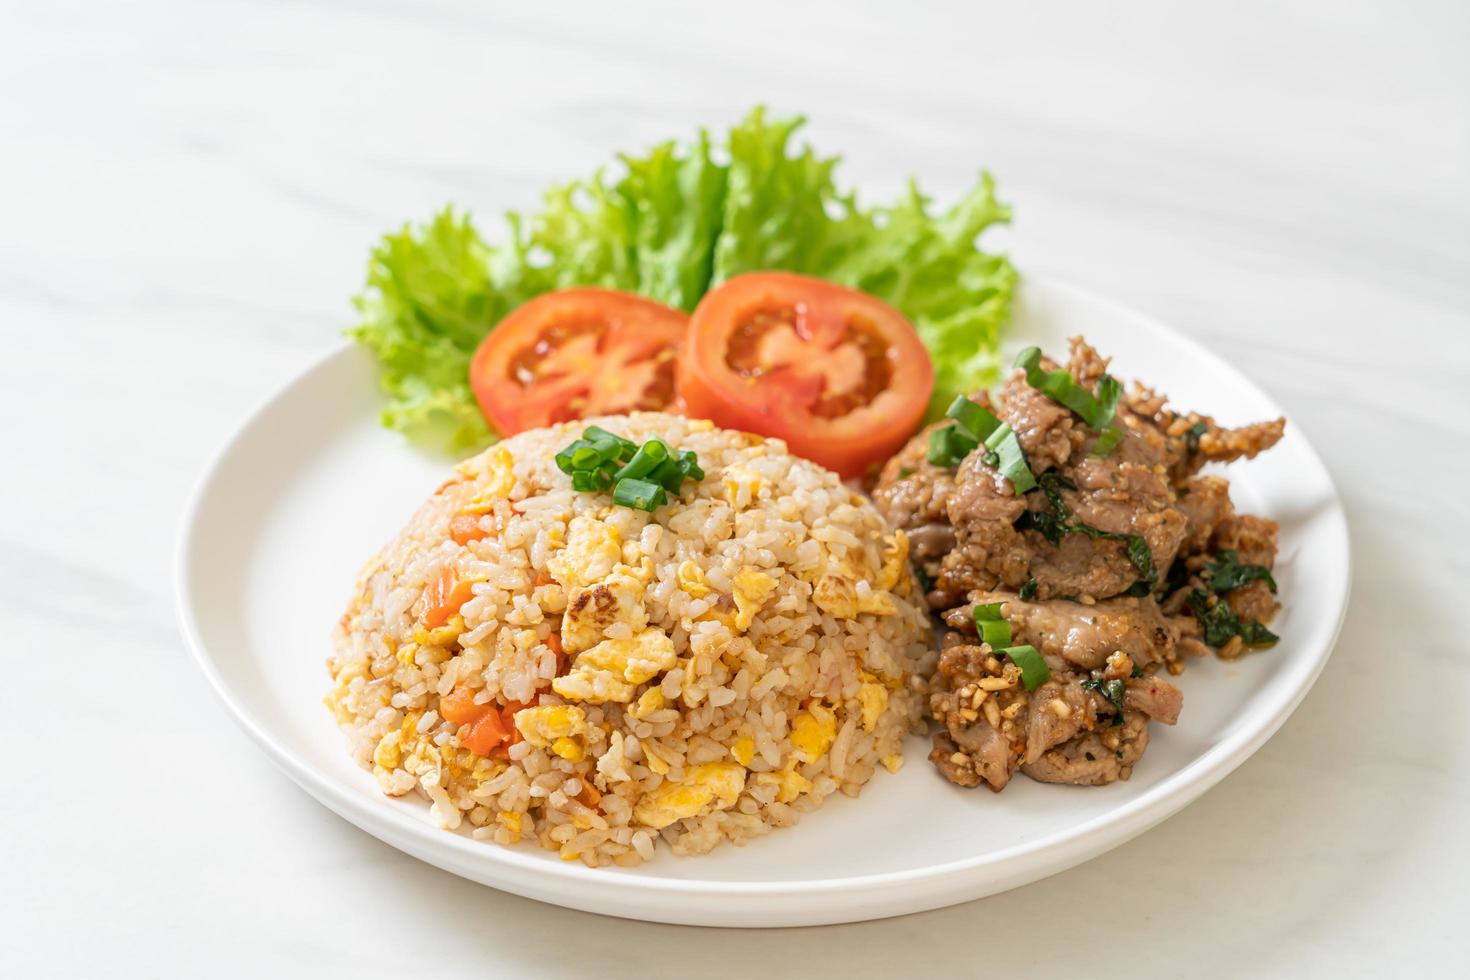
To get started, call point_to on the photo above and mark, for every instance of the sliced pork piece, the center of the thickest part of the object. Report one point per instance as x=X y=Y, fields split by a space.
x=1073 y=636
x=993 y=725
x=1205 y=502
x=982 y=739
x=1095 y=758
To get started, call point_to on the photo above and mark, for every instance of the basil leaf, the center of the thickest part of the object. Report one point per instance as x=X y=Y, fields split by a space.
x=1228 y=573
x=1112 y=691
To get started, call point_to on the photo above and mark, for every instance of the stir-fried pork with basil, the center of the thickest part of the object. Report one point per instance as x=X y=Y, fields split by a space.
x=1064 y=532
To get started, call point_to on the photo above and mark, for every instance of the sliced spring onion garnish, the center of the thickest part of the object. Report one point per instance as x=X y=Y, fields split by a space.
x=648 y=458
x=1034 y=671
x=949 y=446
x=1107 y=442
x=991 y=625
x=973 y=426
x=976 y=419
x=638 y=476
x=1096 y=410
x=591 y=481
x=1010 y=460
x=639 y=494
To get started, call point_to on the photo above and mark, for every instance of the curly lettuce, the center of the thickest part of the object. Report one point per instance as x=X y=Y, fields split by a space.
x=674 y=223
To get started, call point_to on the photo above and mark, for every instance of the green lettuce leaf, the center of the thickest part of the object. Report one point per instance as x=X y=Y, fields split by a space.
x=675 y=222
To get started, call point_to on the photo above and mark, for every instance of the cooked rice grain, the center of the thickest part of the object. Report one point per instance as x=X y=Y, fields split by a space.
x=727 y=662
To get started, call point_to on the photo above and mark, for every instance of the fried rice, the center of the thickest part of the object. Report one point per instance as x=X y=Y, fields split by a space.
x=707 y=672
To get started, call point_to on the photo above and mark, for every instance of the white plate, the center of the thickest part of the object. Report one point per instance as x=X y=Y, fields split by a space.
x=311 y=487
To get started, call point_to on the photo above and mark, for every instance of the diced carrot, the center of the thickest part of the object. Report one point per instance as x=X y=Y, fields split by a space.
x=509 y=714
x=589 y=797
x=444 y=598
x=459 y=707
x=485 y=734
x=554 y=642
x=464 y=528
x=543 y=579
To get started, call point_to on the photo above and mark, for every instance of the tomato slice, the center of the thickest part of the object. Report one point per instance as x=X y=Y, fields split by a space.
x=576 y=353
x=839 y=375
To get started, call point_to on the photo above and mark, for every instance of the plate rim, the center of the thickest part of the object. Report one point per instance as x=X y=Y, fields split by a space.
x=958 y=880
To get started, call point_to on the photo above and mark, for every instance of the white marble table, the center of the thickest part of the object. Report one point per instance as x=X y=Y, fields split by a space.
x=187 y=193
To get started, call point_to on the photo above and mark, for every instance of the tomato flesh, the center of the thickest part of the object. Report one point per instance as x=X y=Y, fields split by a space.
x=839 y=375
x=577 y=353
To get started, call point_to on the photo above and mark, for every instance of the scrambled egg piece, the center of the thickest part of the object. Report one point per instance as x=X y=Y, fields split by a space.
x=873 y=698
x=813 y=731
x=788 y=782
x=741 y=485
x=719 y=783
x=743 y=751
x=591 y=610
x=654 y=760
x=440 y=635
x=511 y=822
x=611 y=670
x=895 y=557
x=839 y=597
x=570 y=749
x=496 y=467
x=650 y=701
x=593 y=548
x=691 y=580
x=893 y=763
x=544 y=725
x=387 y=754
x=752 y=589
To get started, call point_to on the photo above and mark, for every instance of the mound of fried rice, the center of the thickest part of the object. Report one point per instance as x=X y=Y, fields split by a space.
x=709 y=671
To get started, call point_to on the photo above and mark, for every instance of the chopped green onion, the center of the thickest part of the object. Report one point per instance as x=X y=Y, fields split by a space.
x=950 y=445
x=639 y=494
x=1034 y=671
x=991 y=625
x=640 y=477
x=973 y=424
x=667 y=475
x=689 y=465
x=585 y=456
x=1109 y=390
x=1107 y=442
x=591 y=481
x=1096 y=410
x=1010 y=459
x=976 y=419
x=647 y=459
x=614 y=445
